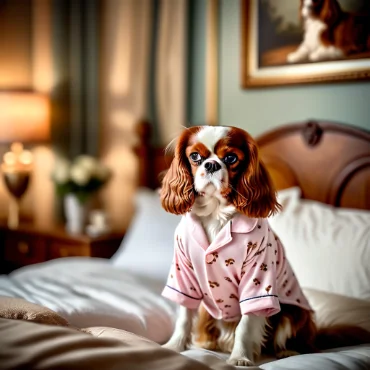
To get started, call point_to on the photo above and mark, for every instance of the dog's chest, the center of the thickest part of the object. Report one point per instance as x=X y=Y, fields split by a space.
x=213 y=213
x=313 y=30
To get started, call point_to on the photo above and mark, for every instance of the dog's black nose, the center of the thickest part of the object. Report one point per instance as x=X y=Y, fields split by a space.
x=212 y=166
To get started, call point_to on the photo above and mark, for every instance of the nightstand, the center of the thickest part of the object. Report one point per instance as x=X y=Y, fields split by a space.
x=29 y=244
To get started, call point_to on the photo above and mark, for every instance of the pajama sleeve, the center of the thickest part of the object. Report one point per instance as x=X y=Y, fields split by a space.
x=258 y=284
x=182 y=285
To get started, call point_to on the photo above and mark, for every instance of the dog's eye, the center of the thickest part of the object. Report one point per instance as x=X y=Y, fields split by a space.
x=230 y=159
x=195 y=157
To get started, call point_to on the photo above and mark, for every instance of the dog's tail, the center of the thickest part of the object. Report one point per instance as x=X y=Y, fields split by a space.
x=341 y=336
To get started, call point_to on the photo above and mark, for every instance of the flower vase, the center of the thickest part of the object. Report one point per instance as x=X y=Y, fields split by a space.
x=76 y=214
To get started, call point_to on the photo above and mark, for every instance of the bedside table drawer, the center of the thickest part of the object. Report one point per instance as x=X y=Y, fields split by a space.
x=59 y=249
x=24 y=249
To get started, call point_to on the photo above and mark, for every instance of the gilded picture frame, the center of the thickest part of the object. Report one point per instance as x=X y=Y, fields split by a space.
x=271 y=30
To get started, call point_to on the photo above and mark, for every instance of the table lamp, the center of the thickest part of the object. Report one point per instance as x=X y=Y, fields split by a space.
x=24 y=118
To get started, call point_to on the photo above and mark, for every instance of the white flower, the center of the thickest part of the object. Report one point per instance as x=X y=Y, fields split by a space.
x=88 y=162
x=80 y=175
x=62 y=171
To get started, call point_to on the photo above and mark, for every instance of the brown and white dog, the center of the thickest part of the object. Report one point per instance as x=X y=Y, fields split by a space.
x=330 y=33
x=215 y=175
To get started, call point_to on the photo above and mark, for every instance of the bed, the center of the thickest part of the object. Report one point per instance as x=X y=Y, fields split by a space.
x=322 y=173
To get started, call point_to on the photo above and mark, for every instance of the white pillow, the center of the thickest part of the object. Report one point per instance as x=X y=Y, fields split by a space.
x=329 y=248
x=289 y=196
x=334 y=309
x=147 y=248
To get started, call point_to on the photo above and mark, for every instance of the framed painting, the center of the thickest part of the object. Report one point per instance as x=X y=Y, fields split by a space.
x=295 y=42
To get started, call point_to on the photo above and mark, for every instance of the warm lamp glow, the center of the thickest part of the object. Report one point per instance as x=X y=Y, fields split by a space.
x=24 y=117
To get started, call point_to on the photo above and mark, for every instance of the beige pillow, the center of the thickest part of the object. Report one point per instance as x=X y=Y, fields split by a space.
x=26 y=345
x=334 y=309
x=19 y=309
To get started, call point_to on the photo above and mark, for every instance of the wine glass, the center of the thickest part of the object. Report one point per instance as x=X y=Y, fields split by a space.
x=16 y=171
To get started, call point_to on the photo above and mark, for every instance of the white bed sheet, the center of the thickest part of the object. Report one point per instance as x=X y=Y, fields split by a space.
x=92 y=292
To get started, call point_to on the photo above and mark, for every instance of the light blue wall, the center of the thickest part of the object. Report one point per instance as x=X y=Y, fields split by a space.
x=260 y=109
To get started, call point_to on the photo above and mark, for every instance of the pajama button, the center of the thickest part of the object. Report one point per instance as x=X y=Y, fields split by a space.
x=209 y=258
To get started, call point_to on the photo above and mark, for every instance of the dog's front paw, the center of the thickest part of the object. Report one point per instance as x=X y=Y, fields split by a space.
x=240 y=361
x=293 y=57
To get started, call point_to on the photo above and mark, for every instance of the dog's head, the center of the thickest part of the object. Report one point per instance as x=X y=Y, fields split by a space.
x=222 y=159
x=328 y=11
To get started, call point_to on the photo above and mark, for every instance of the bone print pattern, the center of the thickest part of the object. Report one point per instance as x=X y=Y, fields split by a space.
x=228 y=279
x=213 y=284
x=192 y=288
x=215 y=256
x=256 y=281
x=242 y=273
x=233 y=296
x=268 y=288
x=263 y=267
x=285 y=283
x=227 y=306
x=229 y=261
x=178 y=267
x=219 y=300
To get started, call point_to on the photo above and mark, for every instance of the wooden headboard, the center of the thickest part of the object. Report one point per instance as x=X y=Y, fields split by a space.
x=329 y=161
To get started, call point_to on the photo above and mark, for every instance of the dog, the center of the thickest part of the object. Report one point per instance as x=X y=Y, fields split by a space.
x=230 y=273
x=330 y=33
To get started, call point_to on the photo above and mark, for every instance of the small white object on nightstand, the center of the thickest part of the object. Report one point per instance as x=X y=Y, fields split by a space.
x=98 y=223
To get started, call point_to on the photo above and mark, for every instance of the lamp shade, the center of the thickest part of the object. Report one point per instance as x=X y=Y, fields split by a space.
x=24 y=117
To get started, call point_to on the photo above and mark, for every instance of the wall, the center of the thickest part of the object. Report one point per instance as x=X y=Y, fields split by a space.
x=258 y=110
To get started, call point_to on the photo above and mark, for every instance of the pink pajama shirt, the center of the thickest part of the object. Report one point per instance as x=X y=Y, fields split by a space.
x=243 y=271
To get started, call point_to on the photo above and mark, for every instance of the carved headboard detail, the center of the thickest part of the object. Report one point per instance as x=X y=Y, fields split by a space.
x=329 y=161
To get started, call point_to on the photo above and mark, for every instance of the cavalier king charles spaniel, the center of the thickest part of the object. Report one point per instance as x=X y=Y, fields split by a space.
x=330 y=32
x=235 y=287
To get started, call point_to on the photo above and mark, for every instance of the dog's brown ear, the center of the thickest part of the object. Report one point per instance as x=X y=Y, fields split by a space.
x=177 y=192
x=330 y=12
x=255 y=194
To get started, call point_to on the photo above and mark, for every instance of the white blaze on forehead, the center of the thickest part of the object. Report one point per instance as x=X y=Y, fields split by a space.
x=210 y=135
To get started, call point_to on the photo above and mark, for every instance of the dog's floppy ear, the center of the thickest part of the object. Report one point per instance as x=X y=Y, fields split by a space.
x=177 y=192
x=255 y=194
x=330 y=12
